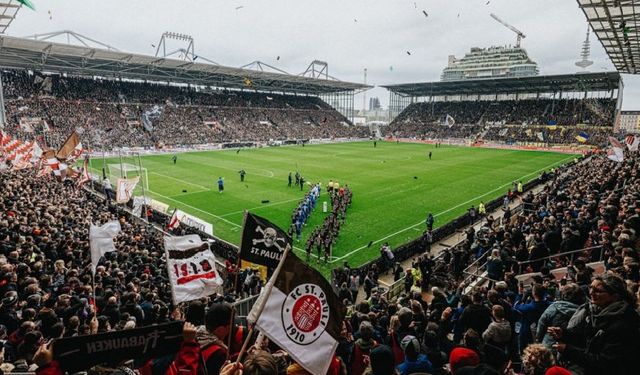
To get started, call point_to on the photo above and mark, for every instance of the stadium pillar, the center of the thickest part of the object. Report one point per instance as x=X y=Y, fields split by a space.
x=2 y=112
x=620 y=94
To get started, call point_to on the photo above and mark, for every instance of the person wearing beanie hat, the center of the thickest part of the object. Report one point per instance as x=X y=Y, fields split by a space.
x=461 y=357
x=603 y=336
x=414 y=361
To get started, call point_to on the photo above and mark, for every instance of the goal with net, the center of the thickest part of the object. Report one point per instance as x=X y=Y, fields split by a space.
x=126 y=170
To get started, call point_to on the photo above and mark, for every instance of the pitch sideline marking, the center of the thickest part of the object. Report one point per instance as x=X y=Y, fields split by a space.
x=445 y=211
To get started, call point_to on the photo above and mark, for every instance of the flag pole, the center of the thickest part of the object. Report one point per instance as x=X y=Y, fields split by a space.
x=104 y=165
x=144 y=197
x=93 y=286
x=121 y=165
x=235 y=284
x=244 y=222
x=262 y=301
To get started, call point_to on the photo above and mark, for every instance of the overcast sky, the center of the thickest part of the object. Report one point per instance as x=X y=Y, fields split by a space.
x=348 y=34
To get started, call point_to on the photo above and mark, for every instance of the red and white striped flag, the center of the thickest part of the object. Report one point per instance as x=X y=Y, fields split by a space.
x=10 y=147
x=174 y=222
x=632 y=142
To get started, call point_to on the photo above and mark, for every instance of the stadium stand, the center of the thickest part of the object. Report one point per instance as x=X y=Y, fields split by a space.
x=472 y=118
x=47 y=288
x=112 y=113
x=513 y=290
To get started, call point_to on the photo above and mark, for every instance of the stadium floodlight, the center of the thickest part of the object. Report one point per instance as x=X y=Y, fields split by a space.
x=187 y=53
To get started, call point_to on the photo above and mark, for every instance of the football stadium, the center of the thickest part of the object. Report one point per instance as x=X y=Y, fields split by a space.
x=477 y=212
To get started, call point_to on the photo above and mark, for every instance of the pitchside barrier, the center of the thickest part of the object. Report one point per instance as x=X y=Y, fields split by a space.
x=243 y=306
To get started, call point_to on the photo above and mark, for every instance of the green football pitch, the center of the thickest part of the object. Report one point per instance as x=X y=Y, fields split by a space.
x=394 y=186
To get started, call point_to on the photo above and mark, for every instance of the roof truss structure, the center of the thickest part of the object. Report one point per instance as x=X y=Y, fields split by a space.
x=615 y=23
x=20 y=53
x=583 y=82
x=8 y=10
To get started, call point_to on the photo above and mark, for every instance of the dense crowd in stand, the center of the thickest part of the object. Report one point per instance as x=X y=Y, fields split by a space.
x=584 y=321
x=565 y=135
x=109 y=113
x=432 y=131
x=529 y=120
x=594 y=112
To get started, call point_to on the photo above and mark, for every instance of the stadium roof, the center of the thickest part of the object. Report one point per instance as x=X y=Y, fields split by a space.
x=21 y=53
x=8 y=10
x=615 y=24
x=522 y=85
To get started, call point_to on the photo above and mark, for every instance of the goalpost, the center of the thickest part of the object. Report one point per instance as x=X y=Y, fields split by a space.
x=127 y=170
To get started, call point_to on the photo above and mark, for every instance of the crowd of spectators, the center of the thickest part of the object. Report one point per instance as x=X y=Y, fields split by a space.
x=421 y=130
x=47 y=289
x=486 y=120
x=109 y=113
x=541 y=111
x=582 y=320
x=553 y=135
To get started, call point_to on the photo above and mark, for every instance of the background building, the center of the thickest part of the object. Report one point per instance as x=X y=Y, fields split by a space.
x=492 y=62
x=629 y=122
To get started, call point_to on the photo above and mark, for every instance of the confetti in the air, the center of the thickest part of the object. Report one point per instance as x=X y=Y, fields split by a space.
x=425 y=13
x=408 y=53
x=240 y=7
x=278 y=58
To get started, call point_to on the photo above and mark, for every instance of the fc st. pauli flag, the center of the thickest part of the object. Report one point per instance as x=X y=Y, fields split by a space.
x=263 y=242
x=192 y=268
x=301 y=314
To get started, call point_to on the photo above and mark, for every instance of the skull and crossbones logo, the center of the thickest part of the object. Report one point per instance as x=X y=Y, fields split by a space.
x=269 y=238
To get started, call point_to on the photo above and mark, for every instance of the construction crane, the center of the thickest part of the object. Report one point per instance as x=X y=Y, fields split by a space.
x=518 y=32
